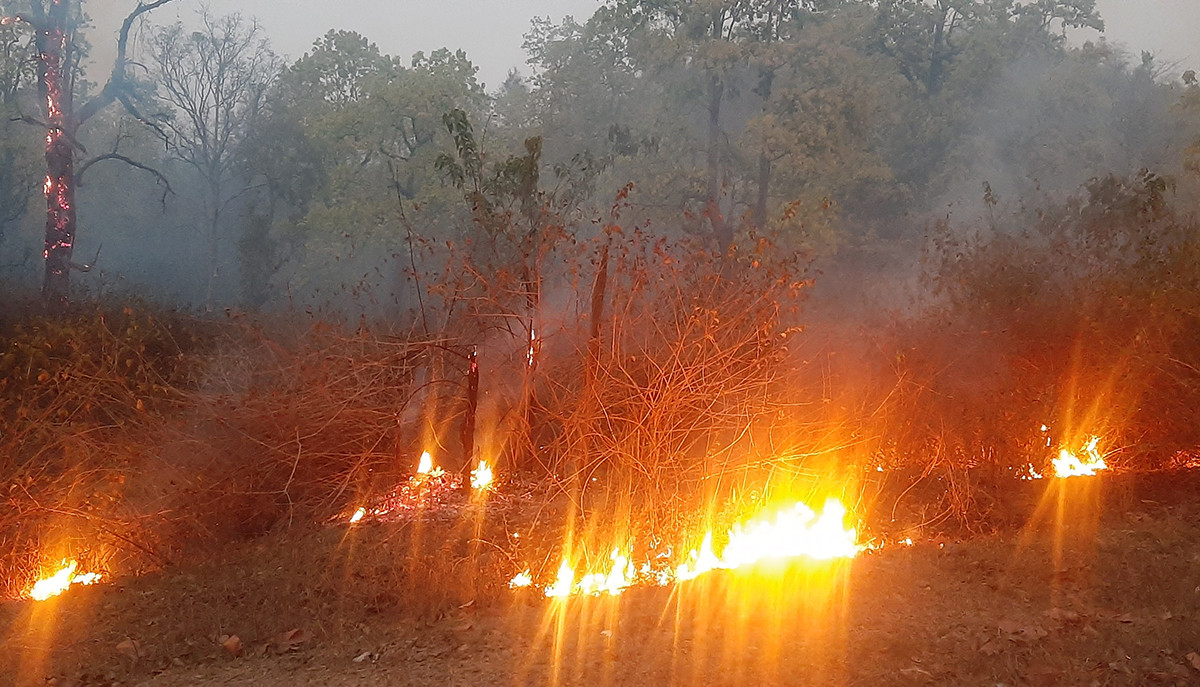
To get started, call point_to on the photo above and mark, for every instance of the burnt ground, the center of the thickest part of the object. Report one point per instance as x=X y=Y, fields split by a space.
x=1099 y=586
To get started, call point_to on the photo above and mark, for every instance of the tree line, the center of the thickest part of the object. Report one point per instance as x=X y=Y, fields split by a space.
x=234 y=177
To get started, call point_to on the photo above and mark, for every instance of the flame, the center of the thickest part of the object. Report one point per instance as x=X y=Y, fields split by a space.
x=358 y=515
x=481 y=477
x=59 y=582
x=1067 y=464
x=614 y=582
x=521 y=579
x=425 y=465
x=563 y=583
x=794 y=532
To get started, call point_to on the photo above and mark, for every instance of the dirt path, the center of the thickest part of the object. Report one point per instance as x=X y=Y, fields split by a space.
x=1098 y=589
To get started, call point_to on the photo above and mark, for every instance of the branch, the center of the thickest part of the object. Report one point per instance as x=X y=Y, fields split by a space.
x=116 y=80
x=87 y=266
x=129 y=161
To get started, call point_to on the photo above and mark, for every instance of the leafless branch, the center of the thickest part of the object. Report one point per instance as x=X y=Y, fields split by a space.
x=114 y=89
x=132 y=163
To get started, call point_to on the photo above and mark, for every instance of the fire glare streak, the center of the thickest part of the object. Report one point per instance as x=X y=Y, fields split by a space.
x=60 y=581
x=1067 y=464
x=794 y=532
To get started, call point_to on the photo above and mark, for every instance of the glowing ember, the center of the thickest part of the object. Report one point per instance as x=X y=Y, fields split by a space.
x=59 y=582
x=358 y=515
x=521 y=579
x=481 y=477
x=795 y=532
x=1067 y=464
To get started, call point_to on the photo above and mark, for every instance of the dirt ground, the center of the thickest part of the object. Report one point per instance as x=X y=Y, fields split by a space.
x=1099 y=586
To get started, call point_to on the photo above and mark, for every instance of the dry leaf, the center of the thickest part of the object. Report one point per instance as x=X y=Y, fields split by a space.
x=290 y=639
x=232 y=644
x=1062 y=615
x=1194 y=659
x=992 y=647
x=1009 y=627
x=1032 y=633
x=130 y=648
x=362 y=657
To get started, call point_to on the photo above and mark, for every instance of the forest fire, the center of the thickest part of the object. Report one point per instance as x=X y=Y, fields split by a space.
x=1067 y=464
x=60 y=581
x=792 y=533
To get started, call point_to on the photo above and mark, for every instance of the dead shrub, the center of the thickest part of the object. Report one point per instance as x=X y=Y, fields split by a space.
x=1081 y=316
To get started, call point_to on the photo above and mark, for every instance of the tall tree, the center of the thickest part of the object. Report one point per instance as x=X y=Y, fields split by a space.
x=212 y=83
x=18 y=178
x=55 y=24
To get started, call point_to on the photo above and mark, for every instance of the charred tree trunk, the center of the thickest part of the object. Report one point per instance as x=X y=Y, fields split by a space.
x=722 y=232
x=765 y=82
x=468 y=426
x=52 y=27
x=938 y=56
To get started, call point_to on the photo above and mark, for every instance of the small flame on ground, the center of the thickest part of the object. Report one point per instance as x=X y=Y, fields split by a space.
x=521 y=579
x=425 y=465
x=481 y=477
x=563 y=582
x=60 y=581
x=1067 y=464
x=620 y=576
x=358 y=515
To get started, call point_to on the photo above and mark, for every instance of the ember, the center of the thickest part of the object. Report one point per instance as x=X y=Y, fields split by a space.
x=60 y=581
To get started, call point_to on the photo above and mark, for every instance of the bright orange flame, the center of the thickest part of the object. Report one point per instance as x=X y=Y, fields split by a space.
x=563 y=583
x=358 y=515
x=59 y=582
x=794 y=532
x=481 y=477
x=613 y=582
x=425 y=465
x=521 y=579
x=1067 y=464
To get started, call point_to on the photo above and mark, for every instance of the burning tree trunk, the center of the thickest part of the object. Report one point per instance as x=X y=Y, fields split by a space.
x=52 y=41
x=54 y=23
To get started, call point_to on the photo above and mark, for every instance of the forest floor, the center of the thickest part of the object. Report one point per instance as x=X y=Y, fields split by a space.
x=1099 y=585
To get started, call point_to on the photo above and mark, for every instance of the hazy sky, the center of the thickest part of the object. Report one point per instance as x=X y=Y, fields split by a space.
x=491 y=30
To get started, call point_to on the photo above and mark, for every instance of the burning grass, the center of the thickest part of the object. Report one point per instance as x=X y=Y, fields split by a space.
x=678 y=422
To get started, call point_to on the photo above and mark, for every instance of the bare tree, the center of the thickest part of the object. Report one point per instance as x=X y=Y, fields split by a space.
x=55 y=23
x=213 y=84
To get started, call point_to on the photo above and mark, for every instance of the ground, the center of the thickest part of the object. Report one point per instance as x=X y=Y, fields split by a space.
x=1099 y=585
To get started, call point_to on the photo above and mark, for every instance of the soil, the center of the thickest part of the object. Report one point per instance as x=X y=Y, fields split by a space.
x=1099 y=585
